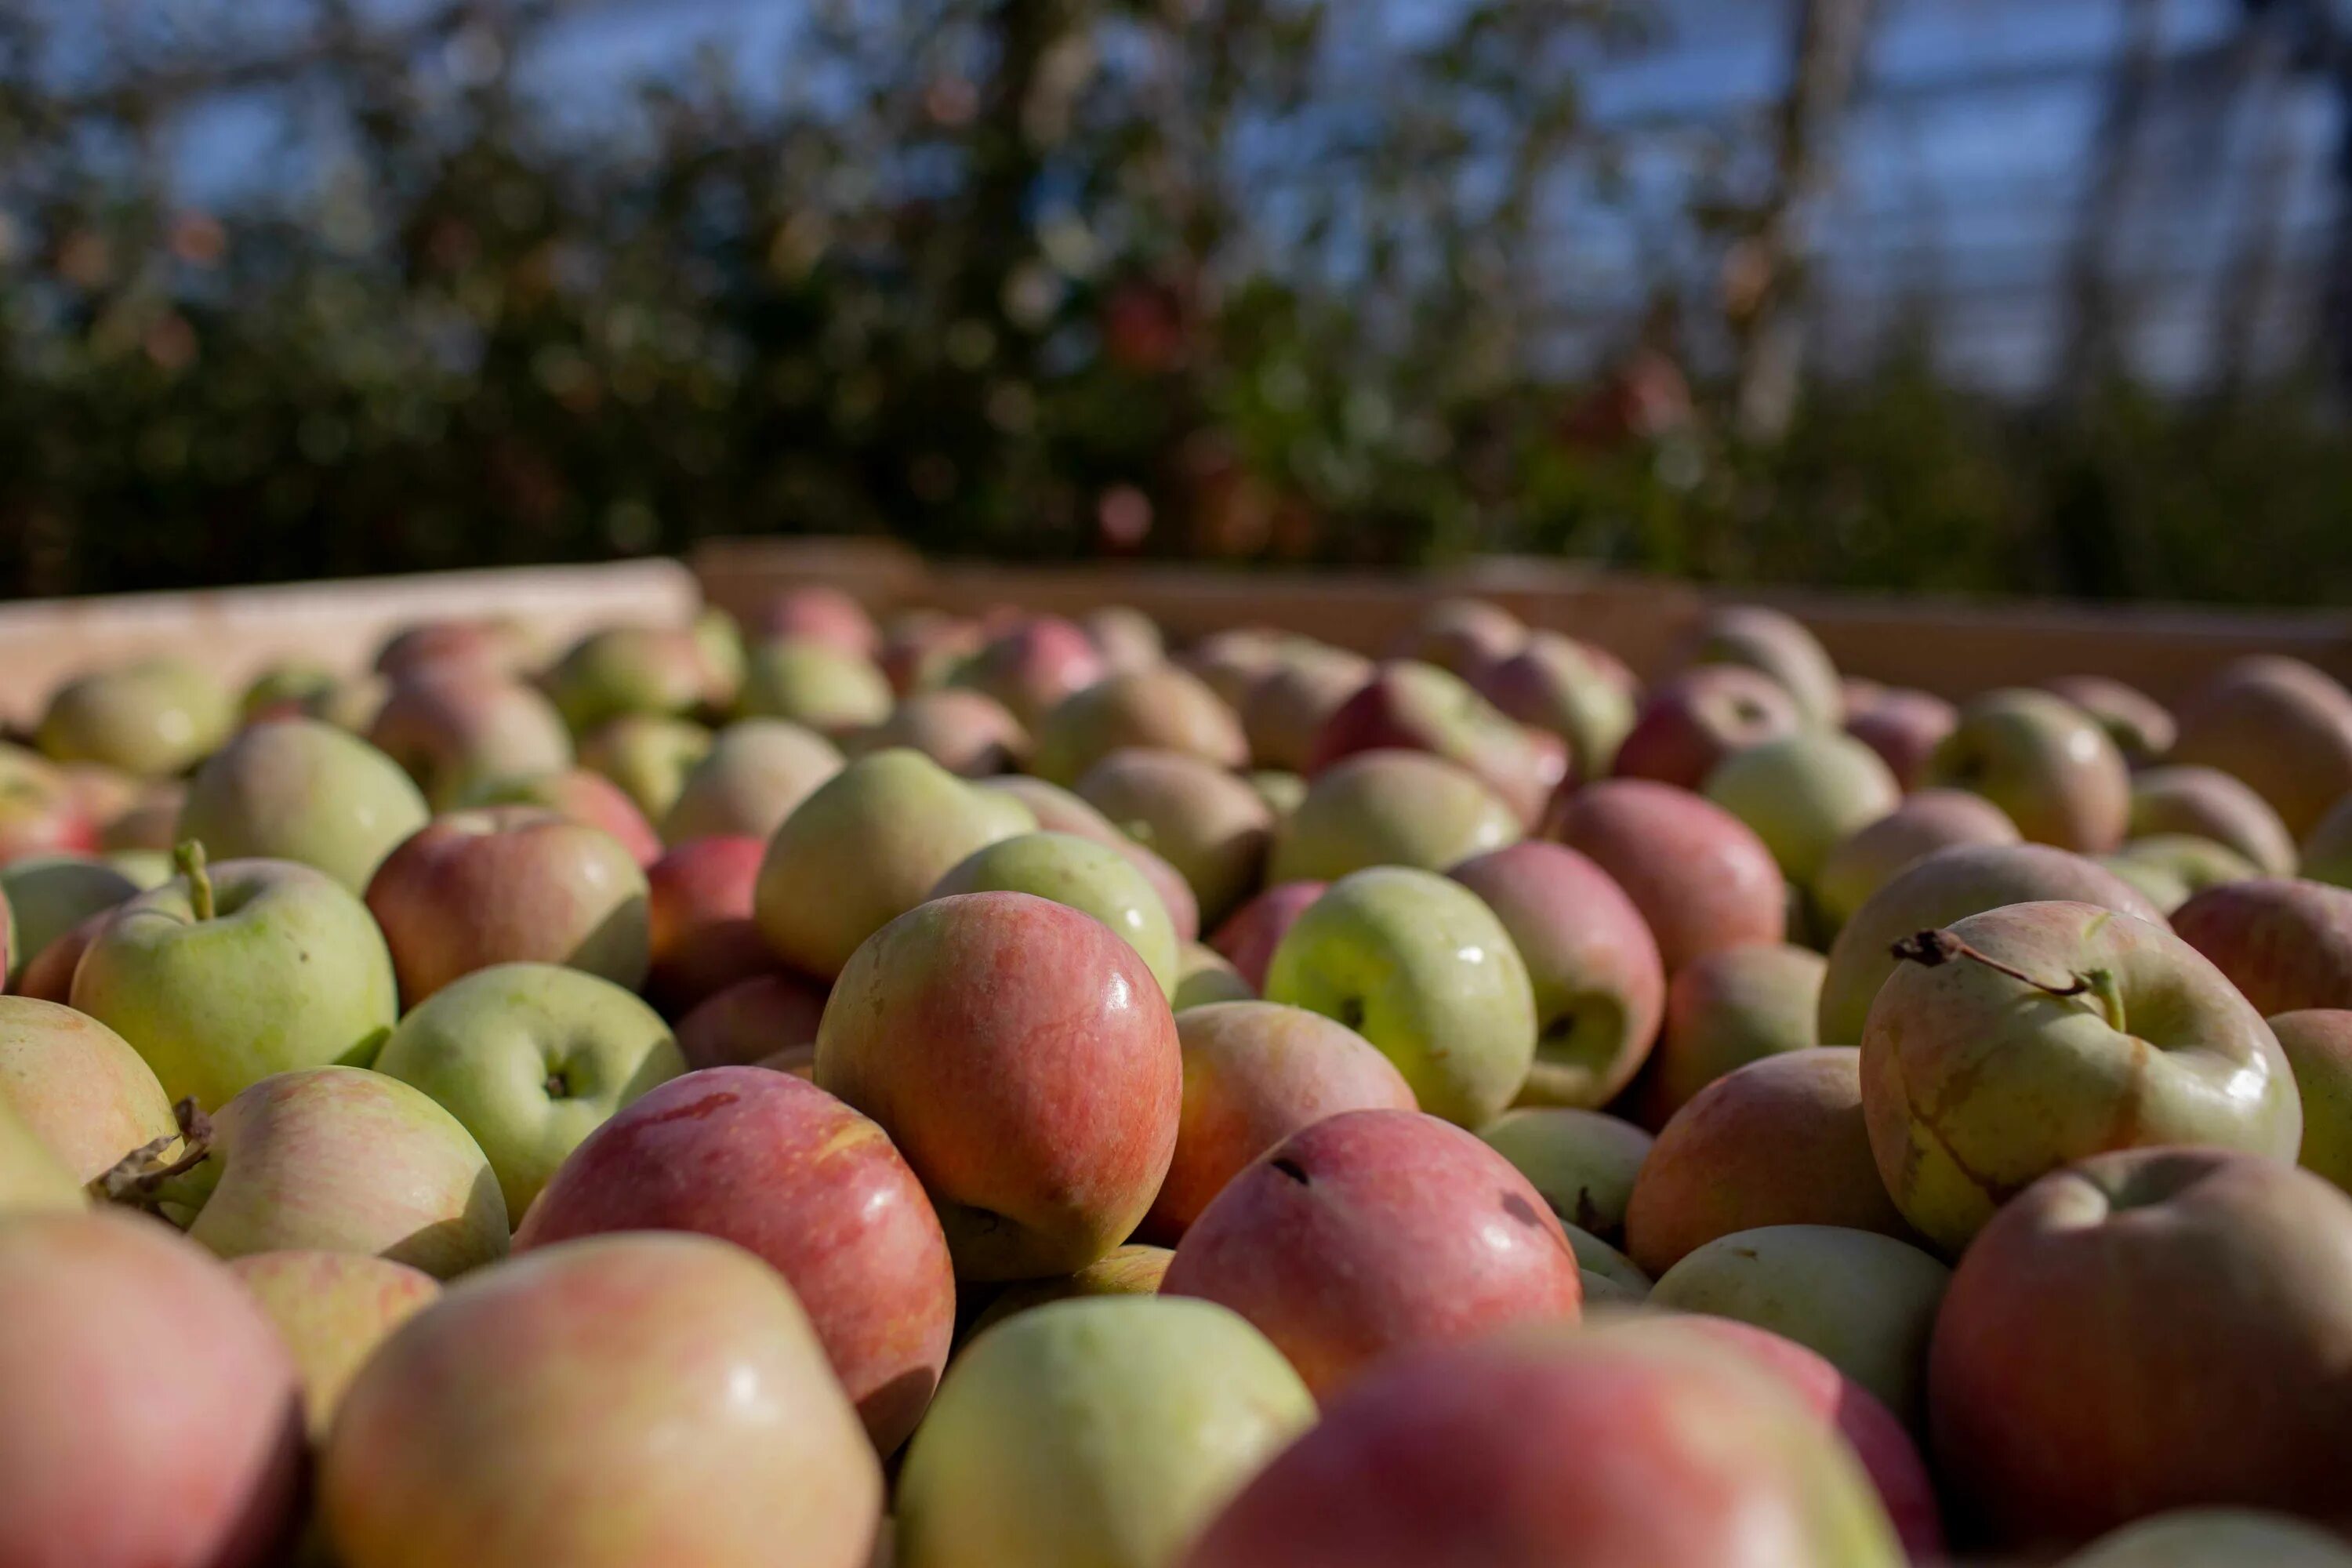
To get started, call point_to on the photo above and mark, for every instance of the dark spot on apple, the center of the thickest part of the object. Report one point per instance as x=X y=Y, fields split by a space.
x=1519 y=1209
x=1291 y=1168
x=1352 y=1012
x=701 y=1109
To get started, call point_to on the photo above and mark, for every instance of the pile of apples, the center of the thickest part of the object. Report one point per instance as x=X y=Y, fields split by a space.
x=1006 y=1093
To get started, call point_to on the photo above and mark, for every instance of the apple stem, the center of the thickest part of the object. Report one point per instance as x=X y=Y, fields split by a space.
x=2101 y=984
x=189 y=860
x=137 y=1178
x=1933 y=949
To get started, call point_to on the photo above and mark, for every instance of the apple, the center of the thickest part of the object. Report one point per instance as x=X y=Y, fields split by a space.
x=2209 y=804
x=48 y=895
x=486 y=646
x=1023 y=1061
x=2281 y=725
x=921 y=650
x=816 y=612
x=154 y=718
x=452 y=730
x=753 y=1021
x=792 y=1175
x=1124 y=636
x=1700 y=875
x=1281 y=790
x=969 y=733
x=814 y=684
x=1207 y=823
x=1600 y=987
x=1725 y=1009
x=1418 y=706
x=1373 y=1231
x=1283 y=708
x=2028 y=1036
x=1873 y=855
x=616 y=1400
x=1059 y=811
x=866 y=846
x=1088 y=877
x=2120 y=1312
x=2215 y=1538
x=701 y=937
x=1093 y=1433
x=49 y=976
x=1570 y=689
x=1582 y=1162
x=579 y=795
x=155 y=1418
x=2318 y=1045
x=1389 y=808
x=1254 y=1073
x=1685 y=728
x=77 y=1086
x=2286 y=944
x=1944 y=887
x=1233 y=660
x=38 y=812
x=1031 y=666
x=296 y=789
x=1805 y=793
x=152 y=822
x=2140 y=726
x=1610 y=1278
x=33 y=1178
x=2172 y=868
x=1465 y=637
x=1774 y=643
x=1251 y=933
x=2045 y=763
x=1421 y=968
x=1130 y=1270
x=1204 y=976
x=288 y=688
x=1904 y=727
x=1166 y=708
x=2326 y=855
x=333 y=1309
x=754 y=776
x=229 y=974
x=510 y=884
x=530 y=1057
x=648 y=756
x=624 y=670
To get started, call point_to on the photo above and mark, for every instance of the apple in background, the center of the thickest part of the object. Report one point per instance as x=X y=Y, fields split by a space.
x=2318 y=1045
x=1779 y=1142
x=1090 y=878
x=77 y=1086
x=1389 y=808
x=1873 y=855
x=1944 y=887
x=1094 y=1432
x=452 y=730
x=2045 y=763
x=2286 y=944
x=108 y=795
x=649 y=758
x=1465 y=637
x=286 y=690
x=38 y=813
x=1254 y=1073
x=1977 y=1083
x=1421 y=968
x=49 y=976
x=350 y=704
x=1804 y=795
x=482 y=646
x=1420 y=707
x=1685 y=728
x=341 y=1160
x=510 y=884
x=1700 y=875
x=1372 y=1231
x=2216 y=1537
x=2123 y=1312
x=578 y=796
x=1723 y=1010
x=1207 y=823
x=139 y=1376
x=1281 y=790
x=591 y=1346
x=701 y=937
x=753 y=1021
x=2140 y=726
x=814 y=684
x=1164 y=708
x=300 y=790
x=1568 y=688
x=154 y=718
x=1777 y=645
x=1610 y=1278
x=532 y=1058
x=1252 y=932
x=790 y=1174
x=754 y=774
x=1904 y=727
x=226 y=976
x=969 y=733
x=816 y=611
x=2209 y=804
x=1130 y=1270
x=2281 y=725
x=1204 y=976
x=615 y=670
x=922 y=650
x=866 y=846
x=1284 y=708
x=1710 y=1459
x=2172 y=868
x=1582 y=1162
x=2327 y=853
x=1124 y=636
x=152 y=824
x=47 y=895
x=1031 y=666
x=1600 y=987
x=1059 y=811
x=1233 y=660
x=333 y=1309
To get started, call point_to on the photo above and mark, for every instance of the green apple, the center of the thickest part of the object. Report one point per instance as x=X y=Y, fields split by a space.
x=1090 y=878
x=2318 y=1046
x=229 y=974
x=1281 y=790
x=333 y=1309
x=615 y=670
x=1207 y=822
x=825 y=688
x=48 y=895
x=1389 y=808
x=2216 y=1537
x=1725 y=1009
x=2044 y=761
x=1582 y=1162
x=78 y=1084
x=2171 y=869
x=288 y=686
x=296 y=789
x=532 y=1058
x=649 y=755
x=1419 y=966
x=1610 y=1277
x=1804 y=795
x=153 y=718
x=32 y=1177
x=756 y=771
x=147 y=868
x=1164 y=708
x=1204 y=975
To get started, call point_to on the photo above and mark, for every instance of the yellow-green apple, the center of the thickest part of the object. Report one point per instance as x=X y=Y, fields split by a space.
x=1164 y=708
x=350 y=704
x=2140 y=726
x=1571 y=690
x=2286 y=944
x=785 y=1171
x=1418 y=706
x=1283 y=709
x=1251 y=933
x=969 y=734
x=2029 y=1036
x=2118 y=1314
x=2216 y=1537
x=340 y=1160
x=1098 y=1433
x=1207 y=822
x=1282 y=791
x=1904 y=727
x=2281 y=725
x=866 y=846
x=333 y=1309
x=452 y=730
x=1030 y=667
x=2210 y=803
x=1059 y=811
x=46 y=896
x=700 y=935
x=1804 y=794
x=1944 y=887
x=1873 y=855
x=1389 y=808
x=510 y=884
x=1254 y=1073
x=814 y=684
x=2318 y=1045
x=532 y=1058
x=753 y=1020
x=1725 y=1009
x=1452 y=1455
x=296 y=789
x=1204 y=976
x=816 y=611
x=1090 y=878
x=38 y=812
x=755 y=772
x=229 y=974
x=1600 y=987
x=288 y=688
x=2171 y=869
x=1134 y=1269
x=638 y=669
x=1025 y=1060
x=1582 y=1162
x=486 y=646
x=615 y=1400
x=2045 y=763
x=78 y=1086
x=650 y=757
x=1775 y=644
x=1124 y=636
x=1700 y=875
x=33 y=1178
x=1778 y=1142
x=1465 y=637
x=147 y=868
x=1373 y=1231
x=154 y=718
x=1421 y=968
x=1610 y=1278
x=1865 y=1301
x=921 y=650
x=1685 y=728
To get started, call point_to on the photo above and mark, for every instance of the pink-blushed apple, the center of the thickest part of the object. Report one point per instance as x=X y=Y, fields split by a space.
x=486 y=646
x=490 y=1428
x=2045 y=763
x=624 y=670
x=1057 y=810
x=1025 y=1060
x=2210 y=803
x=78 y=1086
x=814 y=684
x=49 y=976
x=1723 y=1010
x=1207 y=822
x=2287 y=944
x=1872 y=856
x=1685 y=728
x=753 y=1021
x=1700 y=875
x=453 y=731
x=38 y=813
x=755 y=773
x=648 y=756
x=2216 y=1537
x=816 y=611
x=2140 y=726
x=1582 y=1162
x=2318 y=1045
x=1204 y=977
x=44 y=895
x=153 y=718
x=2281 y=725
x=700 y=935
x=2118 y=1314
x=1251 y=933
x=333 y=1309
x=284 y=690
x=969 y=734
x=1904 y=727
x=1165 y=708
x=1410 y=706
x=1389 y=808
x=1571 y=690
x=1135 y=1270
x=1284 y=708
x=2171 y=869
x=790 y=1174
x=2029 y=1036
x=1124 y=636
x=1774 y=643
x=510 y=884
x=1599 y=986
x=1373 y=1231
x=1090 y=878
x=581 y=795
x=155 y=1418
x=301 y=790
x=1031 y=666
x=1778 y=1142
x=921 y=650
x=1804 y=794
x=1465 y=637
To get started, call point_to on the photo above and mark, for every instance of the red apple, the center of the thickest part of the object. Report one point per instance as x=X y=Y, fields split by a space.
x=1904 y=727
x=579 y=795
x=1776 y=643
x=1252 y=932
x=967 y=733
x=2281 y=725
x=700 y=935
x=814 y=612
x=1031 y=666
x=38 y=813
x=1689 y=725
x=2286 y=944
x=49 y=976
x=1701 y=878
x=1283 y=709
x=1573 y=689
x=758 y=1020
x=455 y=730
x=922 y=650
x=1723 y=1010
x=492 y=648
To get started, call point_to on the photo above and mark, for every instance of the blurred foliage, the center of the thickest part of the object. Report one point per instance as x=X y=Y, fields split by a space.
x=1048 y=277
